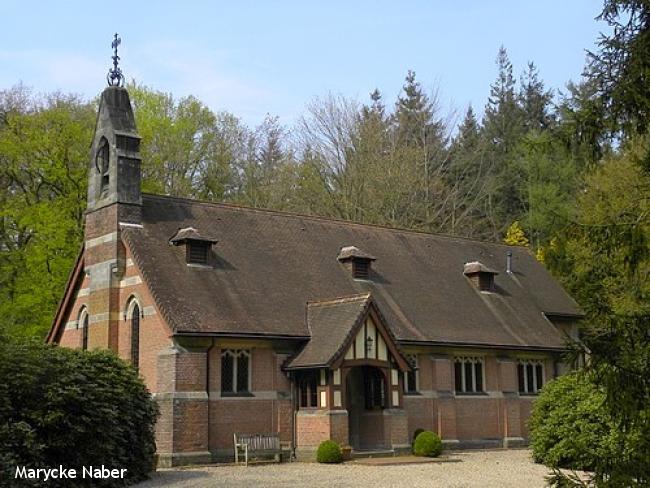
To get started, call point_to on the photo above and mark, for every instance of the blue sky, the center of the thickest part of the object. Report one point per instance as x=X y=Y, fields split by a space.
x=253 y=58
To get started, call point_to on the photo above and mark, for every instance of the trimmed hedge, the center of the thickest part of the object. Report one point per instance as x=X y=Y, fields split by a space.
x=329 y=452
x=427 y=444
x=569 y=427
x=73 y=408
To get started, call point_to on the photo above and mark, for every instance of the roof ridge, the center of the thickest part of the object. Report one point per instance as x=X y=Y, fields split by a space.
x=286 y=213
x=342 y=299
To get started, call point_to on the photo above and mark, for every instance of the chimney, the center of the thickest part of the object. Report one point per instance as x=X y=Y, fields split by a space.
x=509 y=262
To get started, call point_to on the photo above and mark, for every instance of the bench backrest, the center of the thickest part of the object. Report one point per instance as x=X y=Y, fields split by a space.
x=259 y=442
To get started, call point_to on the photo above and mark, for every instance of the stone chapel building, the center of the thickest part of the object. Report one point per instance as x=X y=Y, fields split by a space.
x=256 y=321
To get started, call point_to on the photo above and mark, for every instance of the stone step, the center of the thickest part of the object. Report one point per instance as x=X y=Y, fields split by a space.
x=372 y=453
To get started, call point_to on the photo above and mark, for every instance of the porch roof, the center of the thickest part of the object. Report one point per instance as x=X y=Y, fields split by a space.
x=332 y=324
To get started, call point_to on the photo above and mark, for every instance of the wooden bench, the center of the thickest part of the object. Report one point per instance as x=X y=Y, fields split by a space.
x=257 y=445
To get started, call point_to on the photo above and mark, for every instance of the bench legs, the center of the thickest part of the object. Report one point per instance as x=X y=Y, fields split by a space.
x=237 y=448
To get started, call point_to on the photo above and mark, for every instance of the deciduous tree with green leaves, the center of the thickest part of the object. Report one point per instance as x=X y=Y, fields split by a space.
x=43 y=159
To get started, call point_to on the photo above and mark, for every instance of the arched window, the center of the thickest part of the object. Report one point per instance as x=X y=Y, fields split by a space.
x=83 y=323
x=134 y=316
x=235 y=371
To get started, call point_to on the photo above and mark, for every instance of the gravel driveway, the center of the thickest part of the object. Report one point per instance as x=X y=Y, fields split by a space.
x=499 y=468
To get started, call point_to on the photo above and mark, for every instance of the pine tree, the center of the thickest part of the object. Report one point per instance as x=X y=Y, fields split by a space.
x=502 y=130
x=467 y=179
x=535 y=101
x=621 y=66
x=502 y=120
x=603 y=258
x=420 y=151
x=582 y=125
x=414 y=115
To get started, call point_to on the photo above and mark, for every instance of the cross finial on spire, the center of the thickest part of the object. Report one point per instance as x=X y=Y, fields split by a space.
x=115 y=76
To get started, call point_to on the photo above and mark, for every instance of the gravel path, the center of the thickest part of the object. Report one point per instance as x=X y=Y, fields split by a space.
x=511 y=468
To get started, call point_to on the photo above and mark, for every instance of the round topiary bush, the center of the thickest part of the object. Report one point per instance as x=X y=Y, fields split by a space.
x=416 y=433
x=569 y=427
x=427 y=444
x=74 y=408
x=329 y=452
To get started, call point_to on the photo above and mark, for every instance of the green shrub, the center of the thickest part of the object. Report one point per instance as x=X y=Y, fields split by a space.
x=427 y=444
x=416 y=433
x=569 y=427
x=329 y=452
x=74 y=408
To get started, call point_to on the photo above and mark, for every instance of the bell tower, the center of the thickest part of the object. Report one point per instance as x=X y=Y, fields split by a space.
x=114 y=201
x=114 y=172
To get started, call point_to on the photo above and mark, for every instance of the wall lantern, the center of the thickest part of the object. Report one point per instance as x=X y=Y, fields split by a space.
x=369 y=342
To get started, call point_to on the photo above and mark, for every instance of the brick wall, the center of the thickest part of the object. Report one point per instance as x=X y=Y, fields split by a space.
x=420 y=414
x=396 y=433
x=499 y=412
x=182 y=429
x=154 y=333
x=477 y=418
x=246 y=415
x=315 y=426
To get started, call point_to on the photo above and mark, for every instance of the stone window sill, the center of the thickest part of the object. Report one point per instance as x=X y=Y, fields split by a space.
x=471 y=394
x=243 y=394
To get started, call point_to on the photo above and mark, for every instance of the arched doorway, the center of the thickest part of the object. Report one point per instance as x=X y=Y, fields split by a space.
x=366 y=399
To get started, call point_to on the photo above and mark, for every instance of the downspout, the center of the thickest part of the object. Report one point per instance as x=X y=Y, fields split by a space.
x=294 y=416
x=207 y=387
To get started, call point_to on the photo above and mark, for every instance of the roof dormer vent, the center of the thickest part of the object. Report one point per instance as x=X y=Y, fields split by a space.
x=480 y=275
x=197 y=246
x=358 y=262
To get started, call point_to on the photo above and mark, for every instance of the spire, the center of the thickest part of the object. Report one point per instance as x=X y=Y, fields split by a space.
x=115 y=77
x=114 y=171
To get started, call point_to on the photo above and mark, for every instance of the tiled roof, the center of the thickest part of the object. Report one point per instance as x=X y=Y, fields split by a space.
x=332 y=324
x=269 y=265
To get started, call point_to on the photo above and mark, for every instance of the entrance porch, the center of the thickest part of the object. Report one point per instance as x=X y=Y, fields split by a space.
x=351 y=394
